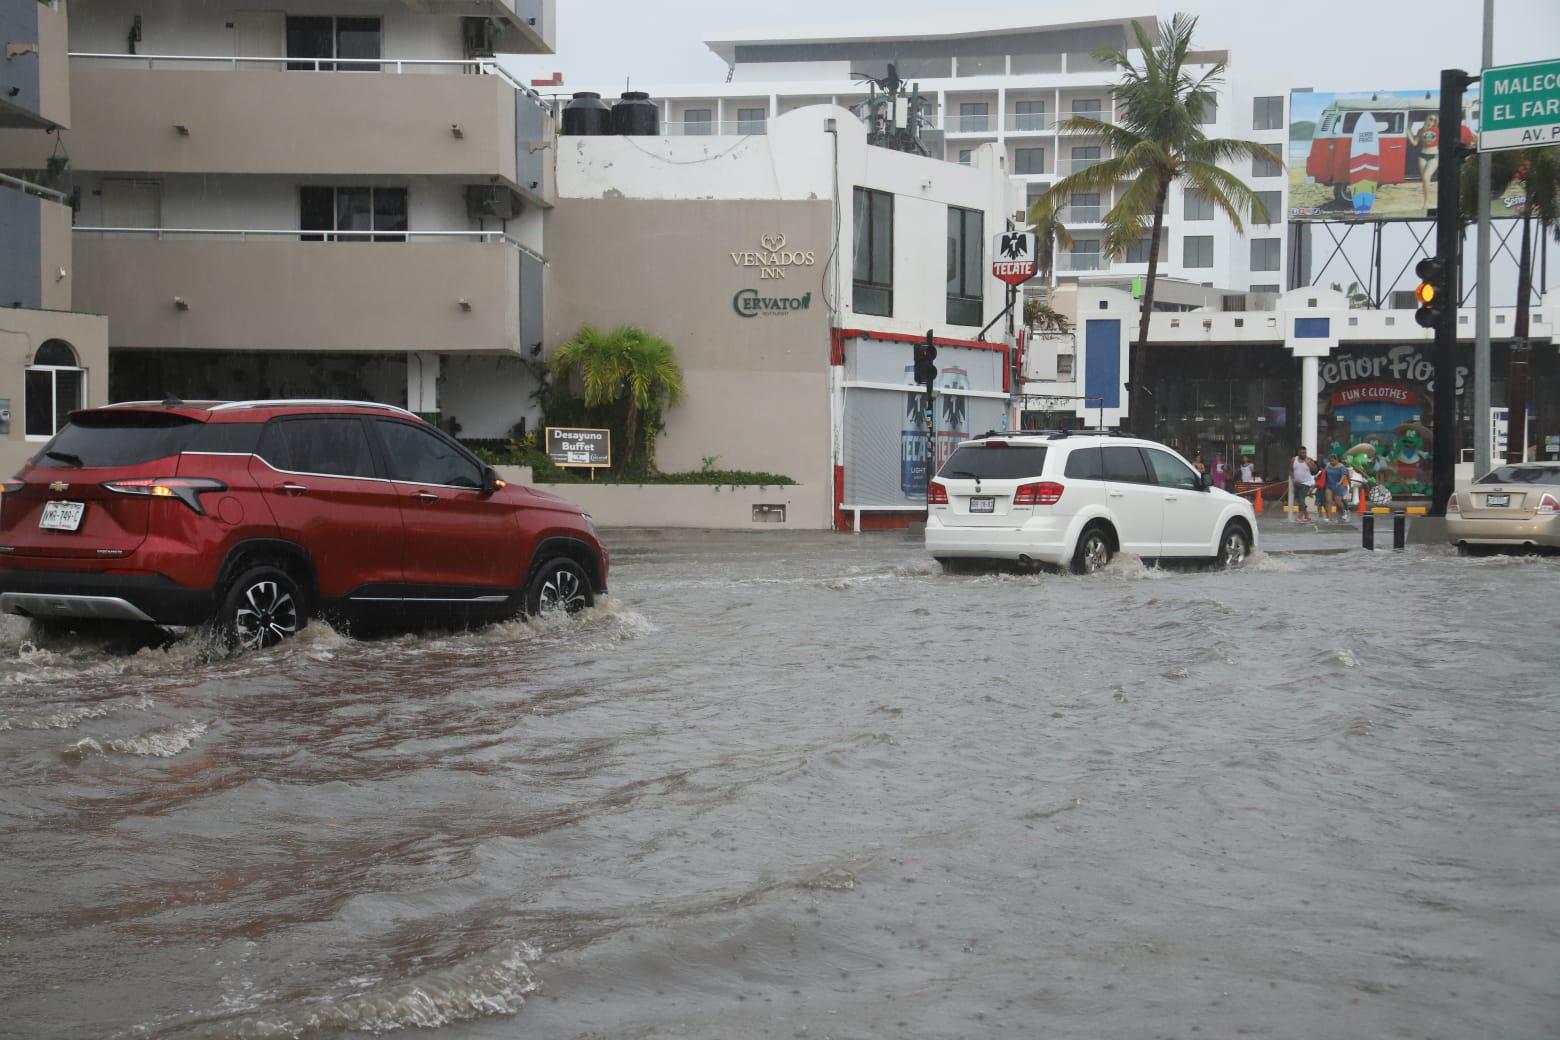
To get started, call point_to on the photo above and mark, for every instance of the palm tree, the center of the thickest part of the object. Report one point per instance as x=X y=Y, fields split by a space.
x=1359 y=299
x=1156 y=140
x=629 y=368
x=1050 y=236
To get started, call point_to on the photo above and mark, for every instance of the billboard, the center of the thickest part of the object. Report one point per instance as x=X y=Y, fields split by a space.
x=1372 y=155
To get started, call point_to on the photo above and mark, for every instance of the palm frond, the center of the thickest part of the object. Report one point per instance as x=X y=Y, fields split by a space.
x=1231 y=195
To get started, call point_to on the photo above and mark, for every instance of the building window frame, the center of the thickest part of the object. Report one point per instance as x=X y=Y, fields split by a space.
x=974 y=117
x=383 y=212
x=698 y=122
x=47 y=369
x=1196 y=206
x=872 y=267
x=1263 y=166
x=1266 y=254
x=1029 y=161
x=752 y=120
x=1275 y=212
x=966 y=256
x=1196 y=252
x=295 y=29
x=1267 y=113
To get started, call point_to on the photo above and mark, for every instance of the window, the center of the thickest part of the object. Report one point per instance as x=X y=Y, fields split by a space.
x=973 y=116
x=417 y=455
x=1137 y=252
x=1197 y=207
x=982 y=65
x=55 y=385
x=1274 y=289
x=1086 y=107
x=1029 y=160
x=1064 y=366
x=1273 y=202
x=354 y=42
x=1171 y=472
x=873 y=274
x=751 y=120
x=966 y=238
x=966 y=156
x=697 y=122
x=1085 y=463
x=1030 y=115
x=1265 y=166
x=333 y=447
x=988 y=462
x=326 y=209
x=1209 y=113
x=1125 y=465
x=1084 y=156
x=1084 y=207
x=1197 y=251
x=1264 y=254
x=1267 y=113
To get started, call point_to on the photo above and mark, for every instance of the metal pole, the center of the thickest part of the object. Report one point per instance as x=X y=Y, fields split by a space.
x=1448 y=237
x=1482 y=463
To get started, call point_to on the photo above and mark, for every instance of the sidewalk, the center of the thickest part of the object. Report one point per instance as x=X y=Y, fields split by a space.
x=1277 y=533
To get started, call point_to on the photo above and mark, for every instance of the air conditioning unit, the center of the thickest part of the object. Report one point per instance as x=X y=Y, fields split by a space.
x=491 y=202
x=479 y=36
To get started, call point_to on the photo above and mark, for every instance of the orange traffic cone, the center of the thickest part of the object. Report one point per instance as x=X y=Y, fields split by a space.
x=1257 y=505
x=1362 y=497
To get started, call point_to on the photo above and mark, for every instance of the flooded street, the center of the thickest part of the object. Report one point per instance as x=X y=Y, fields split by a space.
x=809 y=786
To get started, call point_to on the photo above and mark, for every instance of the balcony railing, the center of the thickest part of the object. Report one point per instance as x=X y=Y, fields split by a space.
x=972 y=124
x=307 y=235
x=393 y=66
x=711 y=128
x=1031 y=122
x=1081 y=214
x=1077 y=165
x=29 y=188
x=1078 y=262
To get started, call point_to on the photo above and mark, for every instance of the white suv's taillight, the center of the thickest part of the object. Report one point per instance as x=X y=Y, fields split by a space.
x=1045 y=493
x=936 y=494
x=186 y=489
x=1548 y=505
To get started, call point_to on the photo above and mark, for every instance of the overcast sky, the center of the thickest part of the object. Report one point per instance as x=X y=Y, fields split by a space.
x=1324 y=44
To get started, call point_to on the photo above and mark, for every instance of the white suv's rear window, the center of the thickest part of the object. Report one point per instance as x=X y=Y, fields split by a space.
x=995 y=462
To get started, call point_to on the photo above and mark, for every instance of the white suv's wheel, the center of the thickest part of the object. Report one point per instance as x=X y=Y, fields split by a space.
x=1234 y=545
x=1094 y=551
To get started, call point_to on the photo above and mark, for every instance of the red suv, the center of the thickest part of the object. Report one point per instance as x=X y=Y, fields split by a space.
x=257 y=514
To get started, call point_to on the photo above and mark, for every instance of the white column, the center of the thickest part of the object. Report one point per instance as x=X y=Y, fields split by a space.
x=720 y=115
x=1309 y=389
x=422 y=381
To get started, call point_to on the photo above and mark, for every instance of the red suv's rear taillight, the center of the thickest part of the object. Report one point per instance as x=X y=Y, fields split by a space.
x=1045 y=493
x=186 y=489
x=936 y=494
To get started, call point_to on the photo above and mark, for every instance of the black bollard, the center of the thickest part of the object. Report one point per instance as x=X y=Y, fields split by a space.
x=1399 y=530
x=1368 y=530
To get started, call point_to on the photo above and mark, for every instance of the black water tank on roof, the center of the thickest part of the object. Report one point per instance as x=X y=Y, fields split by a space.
x=634 y=113
x=586 y=115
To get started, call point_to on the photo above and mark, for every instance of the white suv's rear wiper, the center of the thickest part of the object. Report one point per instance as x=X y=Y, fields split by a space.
x=66 y=457
x=959 y=473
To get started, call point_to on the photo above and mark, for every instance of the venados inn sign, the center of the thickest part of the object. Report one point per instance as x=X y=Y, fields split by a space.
x=772 y=258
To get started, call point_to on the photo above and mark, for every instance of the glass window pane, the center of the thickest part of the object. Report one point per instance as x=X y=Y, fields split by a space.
x=419 y=456
x=316 y=211
x=974 y=250
x=55 y=352
x=1170 y=471
x=983 y=65
x=70 y=385
x=357 y=38
x=390 y=213
x=337 y=447
x=354 y=211
x=882 y=238
x=1125 y=465
x=953 y=251
x=1273 y=202
x=39 y=390
x=309 y=38
x=861 y=212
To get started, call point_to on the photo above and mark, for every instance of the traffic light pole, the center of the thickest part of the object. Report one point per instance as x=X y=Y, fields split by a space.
x=1448 y=240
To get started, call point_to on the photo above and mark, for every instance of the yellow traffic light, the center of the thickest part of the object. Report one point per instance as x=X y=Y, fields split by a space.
x=1425 y=294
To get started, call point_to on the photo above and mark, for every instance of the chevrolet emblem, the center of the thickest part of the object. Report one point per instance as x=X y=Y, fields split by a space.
x=59 y=485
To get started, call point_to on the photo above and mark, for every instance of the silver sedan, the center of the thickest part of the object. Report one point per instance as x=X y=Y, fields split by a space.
x=1517 y=505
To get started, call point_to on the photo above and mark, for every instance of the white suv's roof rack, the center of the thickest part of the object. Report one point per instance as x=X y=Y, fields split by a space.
x=312 y=401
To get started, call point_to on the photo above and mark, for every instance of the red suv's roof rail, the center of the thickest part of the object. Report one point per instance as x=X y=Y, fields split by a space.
x=310 y=402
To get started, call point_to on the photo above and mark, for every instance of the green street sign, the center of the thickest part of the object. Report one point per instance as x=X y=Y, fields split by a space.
x=1520 y=106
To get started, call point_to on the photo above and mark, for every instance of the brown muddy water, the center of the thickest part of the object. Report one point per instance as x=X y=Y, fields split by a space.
x=801 y=786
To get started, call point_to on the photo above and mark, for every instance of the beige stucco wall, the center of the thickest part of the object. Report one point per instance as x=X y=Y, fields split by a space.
x=265 y=294
x=255 y=121
x=758 y=390
x=21 y=333
x=54 y=255
x=53 y=64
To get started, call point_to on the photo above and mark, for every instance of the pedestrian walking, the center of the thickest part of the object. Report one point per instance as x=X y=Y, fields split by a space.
x=1338 y=486
x=1304 y=482
x=1248 y=470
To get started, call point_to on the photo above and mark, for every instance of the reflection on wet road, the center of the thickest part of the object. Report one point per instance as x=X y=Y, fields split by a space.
x=791 y=786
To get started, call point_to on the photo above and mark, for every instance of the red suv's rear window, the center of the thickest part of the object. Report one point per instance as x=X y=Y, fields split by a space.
x=93 y=440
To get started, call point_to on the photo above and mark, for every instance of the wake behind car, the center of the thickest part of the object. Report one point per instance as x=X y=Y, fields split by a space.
x=1515 y=506
x=1076 y=500
x=256 y=515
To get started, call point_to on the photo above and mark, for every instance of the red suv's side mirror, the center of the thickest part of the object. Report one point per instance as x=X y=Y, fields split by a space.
x=491 y=481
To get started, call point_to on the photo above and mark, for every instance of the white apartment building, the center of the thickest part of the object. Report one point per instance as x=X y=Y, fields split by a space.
x=1008 y=82
x=340 y=199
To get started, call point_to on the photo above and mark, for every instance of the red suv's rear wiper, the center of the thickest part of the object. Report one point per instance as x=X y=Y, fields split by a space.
x=69 y=458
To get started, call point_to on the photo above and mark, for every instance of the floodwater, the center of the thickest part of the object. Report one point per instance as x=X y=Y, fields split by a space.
x=810 y=787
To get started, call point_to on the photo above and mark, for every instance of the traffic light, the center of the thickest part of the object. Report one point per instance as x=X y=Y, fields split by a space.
x=1432 y=293
x=925 y=356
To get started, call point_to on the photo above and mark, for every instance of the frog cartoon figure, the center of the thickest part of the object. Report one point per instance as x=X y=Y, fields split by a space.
x=1407 y=456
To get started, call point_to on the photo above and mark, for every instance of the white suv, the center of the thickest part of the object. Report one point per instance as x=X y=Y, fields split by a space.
x=1058 y=498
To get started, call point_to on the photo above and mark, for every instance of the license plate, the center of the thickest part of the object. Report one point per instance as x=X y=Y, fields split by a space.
x=62 y=516
x=1497 y=500
x=983 y=505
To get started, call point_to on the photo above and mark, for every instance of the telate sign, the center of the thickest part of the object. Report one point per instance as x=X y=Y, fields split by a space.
x=573 y=446
x=1521 y=106
x=1013 y=257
